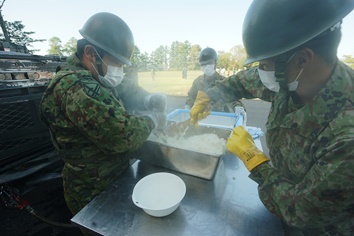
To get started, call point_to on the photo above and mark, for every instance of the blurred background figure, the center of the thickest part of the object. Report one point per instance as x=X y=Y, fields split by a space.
x=208 y=61
x=184 y=73
x=153 y=74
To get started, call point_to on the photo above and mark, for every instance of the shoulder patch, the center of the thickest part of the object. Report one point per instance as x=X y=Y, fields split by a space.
x=92 y=89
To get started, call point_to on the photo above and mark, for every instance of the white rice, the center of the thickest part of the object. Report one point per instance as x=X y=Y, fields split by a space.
x=204 y=143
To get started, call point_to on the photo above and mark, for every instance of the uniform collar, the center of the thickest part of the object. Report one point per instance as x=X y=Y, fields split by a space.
x=75 y=63
x=310 y=119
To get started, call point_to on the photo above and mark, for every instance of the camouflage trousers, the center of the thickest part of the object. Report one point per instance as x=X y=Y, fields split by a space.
x=78 y=192
x=83 y=182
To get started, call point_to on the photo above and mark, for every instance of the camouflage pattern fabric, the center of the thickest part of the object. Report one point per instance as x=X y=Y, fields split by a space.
x=310 y=185
x=201 y=83
x=91 y=130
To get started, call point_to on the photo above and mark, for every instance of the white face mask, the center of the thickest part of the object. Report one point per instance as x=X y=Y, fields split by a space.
x=269 y=80
x=292 y=86
x=209 y=69
x=113 y=77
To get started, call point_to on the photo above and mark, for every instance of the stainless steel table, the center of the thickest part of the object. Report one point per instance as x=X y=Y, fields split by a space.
x=227 y=205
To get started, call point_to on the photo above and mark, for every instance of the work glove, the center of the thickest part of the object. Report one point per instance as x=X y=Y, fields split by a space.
x=156 y=102
x=242 y=145
x=188 y=107
x=159 y=119
x=241 y=111
x=201 y=108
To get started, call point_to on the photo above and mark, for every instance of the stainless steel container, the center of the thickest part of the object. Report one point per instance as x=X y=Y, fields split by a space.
x=190 y=162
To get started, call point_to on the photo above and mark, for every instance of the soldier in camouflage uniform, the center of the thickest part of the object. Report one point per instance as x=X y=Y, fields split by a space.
x=208 y=60
x=88 y=122
x=308 y=180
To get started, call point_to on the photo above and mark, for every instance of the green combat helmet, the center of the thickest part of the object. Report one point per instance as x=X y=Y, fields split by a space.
x=207 y=56
x=110 y=33
x=274 y=27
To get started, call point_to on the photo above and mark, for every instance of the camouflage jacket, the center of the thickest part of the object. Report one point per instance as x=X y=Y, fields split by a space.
x=200 y=83
x=310 y=185
x=90 y=128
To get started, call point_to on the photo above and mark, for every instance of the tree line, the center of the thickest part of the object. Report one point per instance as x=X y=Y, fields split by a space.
x=173 y=57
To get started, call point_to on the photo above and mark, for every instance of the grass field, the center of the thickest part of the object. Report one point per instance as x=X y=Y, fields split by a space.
x=168 y=82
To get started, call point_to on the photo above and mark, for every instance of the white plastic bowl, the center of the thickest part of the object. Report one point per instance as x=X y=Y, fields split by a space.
x=159 y=194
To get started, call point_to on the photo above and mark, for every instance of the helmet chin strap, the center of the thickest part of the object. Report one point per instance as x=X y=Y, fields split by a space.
x=280 y=66
x=99 y=63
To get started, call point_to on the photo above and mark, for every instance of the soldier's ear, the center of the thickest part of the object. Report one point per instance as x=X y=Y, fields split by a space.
x=89 y=53
x=306 y=56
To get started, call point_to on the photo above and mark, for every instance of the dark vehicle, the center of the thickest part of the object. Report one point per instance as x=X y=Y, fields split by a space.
x=31 y=195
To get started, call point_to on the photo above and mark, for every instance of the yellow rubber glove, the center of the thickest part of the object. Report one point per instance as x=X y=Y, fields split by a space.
x=201 y=108
x=242 y=145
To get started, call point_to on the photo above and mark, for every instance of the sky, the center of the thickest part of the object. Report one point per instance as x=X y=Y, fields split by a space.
x=216 y=24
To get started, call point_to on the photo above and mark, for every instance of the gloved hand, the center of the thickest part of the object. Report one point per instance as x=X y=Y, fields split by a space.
x=188 y=107
x=241 y=111
x=201 y=107
x=156 y=102
x=159 y=119
x=242 y=145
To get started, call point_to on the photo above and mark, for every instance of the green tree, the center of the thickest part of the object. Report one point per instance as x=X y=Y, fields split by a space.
x=70 y=47
x=2 y=23
x=17 y=34
x=144 y=61
x=193 y=57
x=159 y=58
x=224 y=60
x=135 y=57
x=179 y=55
x=55 y=47
x=140 y=60
x=349 y=60
x=13 y=32
x=237 y=57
